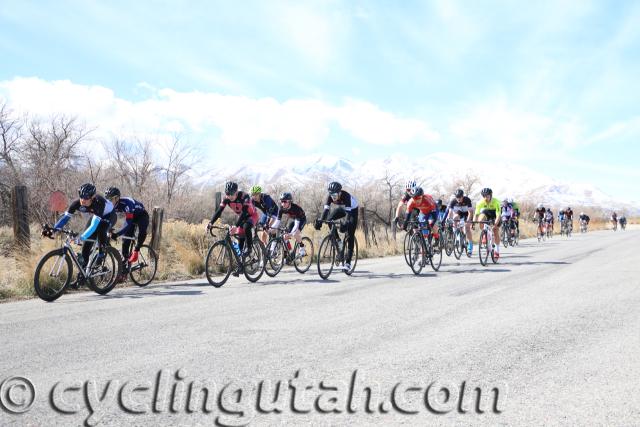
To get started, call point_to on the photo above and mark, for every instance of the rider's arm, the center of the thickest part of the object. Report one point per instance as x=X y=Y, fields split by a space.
x=325 y=212
x=296 y=223
x=93 y=226
x=64 y=219
x=218 y=212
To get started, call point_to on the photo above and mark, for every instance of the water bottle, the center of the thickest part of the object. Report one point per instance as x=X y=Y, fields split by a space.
x=236 y=248
x=80 y=258
x=289 y=244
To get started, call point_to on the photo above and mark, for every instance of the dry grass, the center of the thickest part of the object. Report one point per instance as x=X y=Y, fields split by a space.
x=184 y=247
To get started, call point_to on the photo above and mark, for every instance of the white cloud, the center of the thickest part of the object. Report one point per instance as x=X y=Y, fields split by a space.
x=238 y=120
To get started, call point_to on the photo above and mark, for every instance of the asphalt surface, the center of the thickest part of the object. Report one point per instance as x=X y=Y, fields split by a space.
x=554 y=327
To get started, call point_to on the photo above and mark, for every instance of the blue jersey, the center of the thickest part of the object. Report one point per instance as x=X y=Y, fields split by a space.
x=267 y=205
x=101 y=209
x=133 y=211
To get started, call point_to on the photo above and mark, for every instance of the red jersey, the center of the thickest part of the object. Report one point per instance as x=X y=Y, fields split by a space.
x=425 y=204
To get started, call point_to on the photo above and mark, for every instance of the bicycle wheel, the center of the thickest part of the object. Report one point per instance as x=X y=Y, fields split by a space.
x=254 y=264
x=302 y=263
x=275 y=254
x=504 y=236
x=405 y=246
x=218 y=264
x=483 y=249
x=434 y=250
x=326 y=257
x=104 y=271
x=449 y=240
x=417 y=253
x=457 y=244
x=52 y=275
x=354 y=257
x=144 y=270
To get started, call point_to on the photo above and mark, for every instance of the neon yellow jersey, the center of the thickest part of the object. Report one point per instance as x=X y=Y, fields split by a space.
x=493 y=205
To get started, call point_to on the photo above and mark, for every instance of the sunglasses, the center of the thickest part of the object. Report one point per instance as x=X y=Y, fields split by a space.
x=334 y=194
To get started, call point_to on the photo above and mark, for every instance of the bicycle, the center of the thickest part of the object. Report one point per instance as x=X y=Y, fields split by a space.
x=448 y=237
x=99 y=274
x=508 y=237
x=279 y=252
x=565 y=228
x=583 y=226
x=460 y=240
x=424 y=247
x=485 y=242
x=541 y=235
x=549 y=230
x=143 y=271
x=331 y=251
x=224 y=257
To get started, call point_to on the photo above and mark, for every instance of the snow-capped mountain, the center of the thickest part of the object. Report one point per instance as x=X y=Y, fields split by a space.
x=434 y=172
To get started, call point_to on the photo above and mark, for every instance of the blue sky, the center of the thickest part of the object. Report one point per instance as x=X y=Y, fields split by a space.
x=552 y=85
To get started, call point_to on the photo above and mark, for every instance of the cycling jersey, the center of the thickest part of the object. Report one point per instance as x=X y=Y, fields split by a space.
x=585 y=218
x=540 y=212
x=506 y=211
x=345 y=200
x=461 y=209
x=267 y=205
x=242 y=206
x=425 y=204
x=101 y=209
x=492 y=206
x=548 y=216
x=134 y=213
x=569 y=214
x=294 y=212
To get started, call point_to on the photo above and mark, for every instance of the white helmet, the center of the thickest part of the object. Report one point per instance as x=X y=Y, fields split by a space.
x=411 y=186
x=540 y=206
x=510 y=200
x=581 y=213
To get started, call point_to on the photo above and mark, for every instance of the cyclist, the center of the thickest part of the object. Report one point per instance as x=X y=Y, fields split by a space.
x=614 y=220
x=269 y=209
x=240 y=203
x=584 y=219
x=516 y=214
x=409 y=189
x=548 y=219
x=507 y=214
x=459 y=208
x=296 y=213
x=538 y=216
x=102 y=218
x=569 y=214
x=134 y=215
x=623 y=222
x=426 y=208
x=443 y=211
x=347 y=207
x=487 y=210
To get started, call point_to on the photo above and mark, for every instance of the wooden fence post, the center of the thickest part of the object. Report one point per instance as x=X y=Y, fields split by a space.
x=156 y=228
x=218 y=199
x=365 y=226
x=20 y=203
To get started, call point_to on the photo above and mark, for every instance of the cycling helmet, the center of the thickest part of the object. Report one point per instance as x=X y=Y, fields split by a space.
x=334 y=187
x=505 y=202
x=112 y=192
x=561 y=211
x=510 y=200
x=581 y=213
x=87 y=191
x=486 y=192
x=230 y=188
x=411 y=186
x=418 y=192
x=256 y=189
x=439 y=202
x=459 y=193
x=540 y=206
x=568 y=209
x=286 y=196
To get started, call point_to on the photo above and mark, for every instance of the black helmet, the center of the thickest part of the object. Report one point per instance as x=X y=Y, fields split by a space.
x=112 y=192
x=334 y=187
x=230 y=188
x=439 y=202
x=418 y=192
x=459 y=193
x=486 y=191
x=87 y=191
x=286 y=196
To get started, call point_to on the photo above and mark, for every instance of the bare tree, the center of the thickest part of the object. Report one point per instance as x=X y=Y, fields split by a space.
x=180 y=160
x=133 y=162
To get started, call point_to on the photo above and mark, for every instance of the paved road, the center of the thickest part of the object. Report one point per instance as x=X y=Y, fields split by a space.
x=555 y=327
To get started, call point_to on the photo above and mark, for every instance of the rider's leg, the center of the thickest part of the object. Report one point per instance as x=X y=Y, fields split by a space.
x=247 y=226
x=352 y=223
